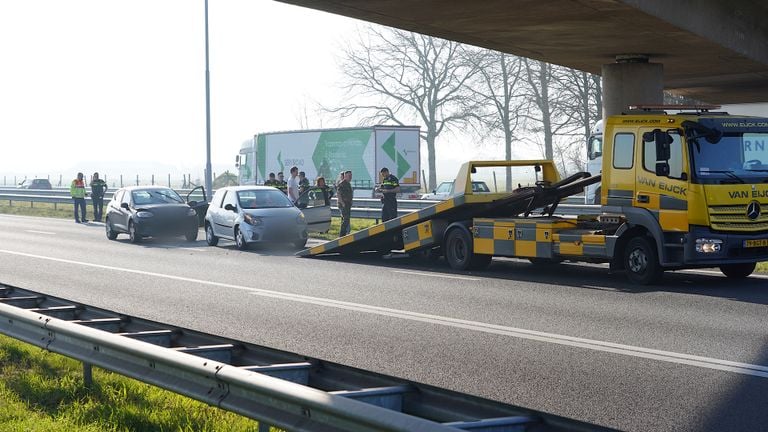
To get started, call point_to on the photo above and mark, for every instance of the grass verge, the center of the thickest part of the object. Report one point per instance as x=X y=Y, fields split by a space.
x=43 y=391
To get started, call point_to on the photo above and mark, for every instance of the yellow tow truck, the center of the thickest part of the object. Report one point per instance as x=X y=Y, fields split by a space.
x=678 y=191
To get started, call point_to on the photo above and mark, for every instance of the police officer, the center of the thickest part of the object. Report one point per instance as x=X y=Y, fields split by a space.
x=271 y=180
x=280 y=183
x=389 y=189
x=98 y=188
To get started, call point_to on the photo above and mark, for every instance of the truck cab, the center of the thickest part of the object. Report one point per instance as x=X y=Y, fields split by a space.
x=691 y=190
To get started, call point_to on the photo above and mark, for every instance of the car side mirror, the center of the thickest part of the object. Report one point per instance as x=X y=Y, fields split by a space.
x=662 y=169
x=125 y=206
x=434 y=190
x=230 y=207
x=192 y=203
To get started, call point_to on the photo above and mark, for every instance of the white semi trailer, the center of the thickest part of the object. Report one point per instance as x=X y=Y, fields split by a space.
x=326 y=152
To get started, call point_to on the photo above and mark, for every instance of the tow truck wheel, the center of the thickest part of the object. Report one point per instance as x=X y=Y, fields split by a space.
x=738 y=271
x=641 y=262
x=459 y=254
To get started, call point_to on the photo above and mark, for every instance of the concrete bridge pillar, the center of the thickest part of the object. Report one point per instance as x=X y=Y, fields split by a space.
x=632 y=80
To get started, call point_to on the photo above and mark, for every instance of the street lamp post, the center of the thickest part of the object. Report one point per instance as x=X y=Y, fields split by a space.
x=208 y=173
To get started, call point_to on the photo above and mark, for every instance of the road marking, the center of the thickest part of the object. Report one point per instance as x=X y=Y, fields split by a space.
x=590 y=344
x=437 y=275
x=717 y=273
x=40 y=232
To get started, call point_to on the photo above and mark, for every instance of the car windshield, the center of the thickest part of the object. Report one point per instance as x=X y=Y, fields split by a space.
x=263 y=198
x=444 y=187
x=155 y=196
x=736 y=157
x=480 y=187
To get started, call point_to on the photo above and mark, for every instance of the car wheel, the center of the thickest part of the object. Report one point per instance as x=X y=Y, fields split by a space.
x=134 y=236
x=111 y=233
x=738 y=271
x=191 y=235
x=641 y=262
x=210 y=237
x=240 y=239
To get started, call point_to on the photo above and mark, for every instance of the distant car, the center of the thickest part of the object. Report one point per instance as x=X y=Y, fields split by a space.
x=445 y=190
x=152 y=211
x=35 y=184
x=263 y=214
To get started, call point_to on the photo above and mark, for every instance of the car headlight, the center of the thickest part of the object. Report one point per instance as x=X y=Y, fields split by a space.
x=300 y=218
x=705 y=245
x=144 y=214
x=252 y=220
x=191 y=212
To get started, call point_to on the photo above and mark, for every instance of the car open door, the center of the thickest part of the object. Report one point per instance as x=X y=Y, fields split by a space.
x=198 y=201
x=316 y=206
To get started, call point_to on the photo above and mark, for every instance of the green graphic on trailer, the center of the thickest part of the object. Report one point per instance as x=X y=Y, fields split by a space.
x=280 y=162
x=342 y=150
x=261 y=153
x=389 y=148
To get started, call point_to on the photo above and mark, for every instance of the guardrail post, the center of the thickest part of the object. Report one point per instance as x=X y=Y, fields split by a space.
x=87 y=374
x=121 y=180
x=263 y=427
x=153 y=179
x=137 y=179
x=169 y=180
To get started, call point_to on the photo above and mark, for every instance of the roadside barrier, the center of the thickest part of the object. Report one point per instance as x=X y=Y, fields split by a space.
x=362 y=208
x=275 y=387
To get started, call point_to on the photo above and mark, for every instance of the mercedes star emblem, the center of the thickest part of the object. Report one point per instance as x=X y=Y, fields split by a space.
x=753 y=210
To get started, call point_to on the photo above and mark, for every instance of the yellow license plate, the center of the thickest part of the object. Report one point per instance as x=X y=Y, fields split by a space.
x=756 y=243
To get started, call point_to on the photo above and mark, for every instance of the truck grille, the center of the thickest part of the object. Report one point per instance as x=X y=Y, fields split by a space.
x=734 y=218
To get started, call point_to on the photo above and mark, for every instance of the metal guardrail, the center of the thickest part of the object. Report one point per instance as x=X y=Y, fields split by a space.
x=276 y=388
x=363 y=208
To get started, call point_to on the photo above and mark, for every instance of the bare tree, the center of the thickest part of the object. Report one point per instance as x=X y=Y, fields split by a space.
x=580 y=94
x=497 y=87
x=398 y=76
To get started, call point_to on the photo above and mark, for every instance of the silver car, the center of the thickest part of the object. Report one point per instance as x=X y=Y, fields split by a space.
x=263 y=214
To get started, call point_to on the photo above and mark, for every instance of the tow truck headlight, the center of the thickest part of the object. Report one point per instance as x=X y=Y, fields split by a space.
x=252 y=220
x=144 y=214
x=705 y=245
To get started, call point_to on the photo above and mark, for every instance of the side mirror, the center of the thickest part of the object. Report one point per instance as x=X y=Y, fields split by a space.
x=662 y=169
x=192 y=203
x=434 y=190
x=230 y=207
x=125 y=206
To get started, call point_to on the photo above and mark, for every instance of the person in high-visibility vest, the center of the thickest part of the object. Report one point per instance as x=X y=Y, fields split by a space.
x=389 y=188
x=77 y=191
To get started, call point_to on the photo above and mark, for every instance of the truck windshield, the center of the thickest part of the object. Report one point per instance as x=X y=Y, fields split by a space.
x=735 y=158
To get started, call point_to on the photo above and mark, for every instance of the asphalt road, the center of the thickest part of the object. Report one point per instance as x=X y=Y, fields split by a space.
x=571 y=340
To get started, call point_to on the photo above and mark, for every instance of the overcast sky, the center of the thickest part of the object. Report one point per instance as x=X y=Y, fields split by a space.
x=100 y=84
x=104 y=80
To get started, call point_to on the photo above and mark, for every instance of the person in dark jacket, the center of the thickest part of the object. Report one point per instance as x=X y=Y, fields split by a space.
x=345 y=193
x=98 y=188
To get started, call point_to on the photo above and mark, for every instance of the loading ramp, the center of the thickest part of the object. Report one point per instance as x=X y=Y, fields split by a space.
x=546 y=194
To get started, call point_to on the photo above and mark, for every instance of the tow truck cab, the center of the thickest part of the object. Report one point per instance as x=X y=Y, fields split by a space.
x=692 y=186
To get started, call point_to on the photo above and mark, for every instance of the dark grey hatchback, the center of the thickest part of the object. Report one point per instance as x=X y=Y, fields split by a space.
x=152 y=211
